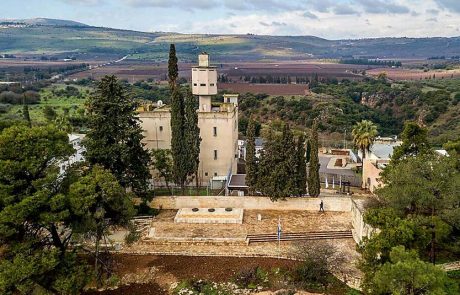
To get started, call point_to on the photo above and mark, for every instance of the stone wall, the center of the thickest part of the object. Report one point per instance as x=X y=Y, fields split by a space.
x=339 y=204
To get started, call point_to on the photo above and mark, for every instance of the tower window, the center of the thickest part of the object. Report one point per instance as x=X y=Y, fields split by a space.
x=161 y=128
x=214 y=131
x=215 y=154
x=202 y=84
x=206 y=174
x=194 y=84
x=215 y=173
x=212 y=84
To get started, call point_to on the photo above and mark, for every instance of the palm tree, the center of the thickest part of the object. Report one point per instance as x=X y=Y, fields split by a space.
x=364 y=134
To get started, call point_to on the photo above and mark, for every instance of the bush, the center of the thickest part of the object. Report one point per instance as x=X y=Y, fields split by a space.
x=202 y=287
x=317 y=261
x=4 y=108
x=252 y=278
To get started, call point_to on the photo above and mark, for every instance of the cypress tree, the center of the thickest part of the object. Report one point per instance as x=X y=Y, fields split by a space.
x=308 y=151
x=313 y=168
x=192 y=135
x=286 y=151
x=173 y=71
x=115 y=137
x=251 y=161
x=178 y=139
x=300 y=175
x=26 y=115
x=25 y=111
x=264 y=167
x=179 y=148
x=276 y=168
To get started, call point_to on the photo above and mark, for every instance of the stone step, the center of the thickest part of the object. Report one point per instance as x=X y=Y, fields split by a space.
x=299 y=236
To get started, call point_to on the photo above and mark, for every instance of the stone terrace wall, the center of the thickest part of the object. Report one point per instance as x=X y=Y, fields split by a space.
x=340 y=204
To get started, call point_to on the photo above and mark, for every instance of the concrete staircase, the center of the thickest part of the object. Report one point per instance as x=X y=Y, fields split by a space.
x=306 y=236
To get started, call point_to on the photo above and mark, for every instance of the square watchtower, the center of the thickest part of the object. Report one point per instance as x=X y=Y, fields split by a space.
x=204 y=82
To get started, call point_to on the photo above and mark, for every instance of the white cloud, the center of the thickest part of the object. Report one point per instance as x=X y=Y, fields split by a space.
x=334 y=19
x=452 y=5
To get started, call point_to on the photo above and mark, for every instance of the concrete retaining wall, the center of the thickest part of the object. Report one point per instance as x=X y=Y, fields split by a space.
x=361 y=229
x=340 y=204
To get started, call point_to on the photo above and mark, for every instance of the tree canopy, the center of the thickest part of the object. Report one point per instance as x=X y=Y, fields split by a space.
x=364 y=134
x=42 y=212
x=414 y=141
x=314 y=185
x=115 y=137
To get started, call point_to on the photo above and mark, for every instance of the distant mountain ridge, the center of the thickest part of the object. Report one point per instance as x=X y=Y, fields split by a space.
x=52 y=36
x=45 y=22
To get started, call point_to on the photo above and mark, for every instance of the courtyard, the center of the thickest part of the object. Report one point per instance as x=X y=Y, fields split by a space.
x=165 y=237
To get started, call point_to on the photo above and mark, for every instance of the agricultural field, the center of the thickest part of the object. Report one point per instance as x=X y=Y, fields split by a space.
x=234 y=72
x=271 y=89
x=414 y=74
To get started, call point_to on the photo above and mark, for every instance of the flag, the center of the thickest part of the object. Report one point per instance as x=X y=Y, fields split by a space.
x=278 y=231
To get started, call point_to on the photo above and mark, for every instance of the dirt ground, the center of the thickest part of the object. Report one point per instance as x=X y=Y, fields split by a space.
x=154 y=274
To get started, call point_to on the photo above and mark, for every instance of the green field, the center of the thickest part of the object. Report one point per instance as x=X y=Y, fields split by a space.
x=47 y=98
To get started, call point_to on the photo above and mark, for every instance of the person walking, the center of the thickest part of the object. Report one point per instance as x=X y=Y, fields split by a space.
x=321 y=206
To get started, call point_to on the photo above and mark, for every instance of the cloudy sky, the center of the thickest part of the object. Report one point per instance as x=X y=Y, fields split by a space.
x=332 y=19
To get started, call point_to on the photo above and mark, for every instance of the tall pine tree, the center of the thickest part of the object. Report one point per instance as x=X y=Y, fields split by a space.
x=314 y=185
x=192 y=136
x=300 y=176
x=115 y=137
x=251 y=160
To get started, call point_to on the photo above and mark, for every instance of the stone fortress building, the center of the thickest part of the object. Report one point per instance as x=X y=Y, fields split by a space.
x=218 y=125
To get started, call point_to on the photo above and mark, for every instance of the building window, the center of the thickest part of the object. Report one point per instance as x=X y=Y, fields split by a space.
x=202 y=84
x=206 y=174
x=215 y=154
x=212 y=84
x=161 y=128
x=214 y=131
x=194 y=84
x=215 y=173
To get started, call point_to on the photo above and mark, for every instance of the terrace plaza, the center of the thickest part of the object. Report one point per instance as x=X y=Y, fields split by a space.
x=204 y=226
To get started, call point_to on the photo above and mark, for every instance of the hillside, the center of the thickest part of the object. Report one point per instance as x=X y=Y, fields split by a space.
x=435 y=104
x=44 y=22
x=38 y=36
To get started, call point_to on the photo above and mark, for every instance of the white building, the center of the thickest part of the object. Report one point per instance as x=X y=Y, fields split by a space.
x=375 y=161
x=75 y=140
x=218 y=125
